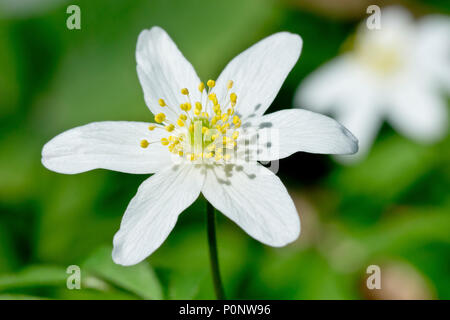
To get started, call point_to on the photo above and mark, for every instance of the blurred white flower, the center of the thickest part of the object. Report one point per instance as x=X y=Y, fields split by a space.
x=199 y=144
x=396 y=73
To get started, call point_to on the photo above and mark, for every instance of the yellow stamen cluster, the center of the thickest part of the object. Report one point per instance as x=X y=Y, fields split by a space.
x=205 y=129
x=160 y=117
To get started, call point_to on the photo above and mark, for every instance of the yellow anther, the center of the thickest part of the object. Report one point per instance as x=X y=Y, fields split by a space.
x=197 y=112
x=185 y=91
x=144 y=143
x=172 y=138
x=201 y=87
x=188 y=106
x=160 y=117
x=180 y=123
x=238 y=124
x=213 y=121
x=191 y=128
x=236 y=119
x=230 y=84
x=171 y=147
x=192 y=157
x=213 y=137
x=162 y=103
x=225 y=117
x=198 y=105
x=211 y=83
x=233 y=97
x=235 y=135
x=218 y=157
x=183 y=106
x=213 y=98
x=209 y=155
x=164 y=141
x=204 y=129
x=151 y=127
x=183 y=117
x=170 y=127
x=180 y=153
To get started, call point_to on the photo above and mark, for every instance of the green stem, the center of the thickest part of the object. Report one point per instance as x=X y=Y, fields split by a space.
x=211 y=226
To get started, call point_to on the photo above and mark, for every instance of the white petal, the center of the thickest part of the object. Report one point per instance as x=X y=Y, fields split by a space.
x=285 y=132
x=255 y=199
x=397 y=28
x=432 y=49
x=113 y=145
x=325 y=88
x=259 y=72
x=418 y=112
x=153 y=212
x=163 y=71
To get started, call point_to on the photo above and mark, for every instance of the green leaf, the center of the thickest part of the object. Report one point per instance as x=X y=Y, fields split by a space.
x=185 y=285
x=34 y=276
x=139 y=279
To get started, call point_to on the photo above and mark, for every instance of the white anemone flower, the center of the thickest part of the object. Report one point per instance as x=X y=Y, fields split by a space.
x=198 y=142
x=394 y=73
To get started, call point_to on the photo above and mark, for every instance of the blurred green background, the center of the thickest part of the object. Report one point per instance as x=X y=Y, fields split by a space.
x=392 y=210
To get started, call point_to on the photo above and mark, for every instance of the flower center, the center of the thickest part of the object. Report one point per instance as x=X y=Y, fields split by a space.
x=382 y=51
x=381 y=59
x=201 y=132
